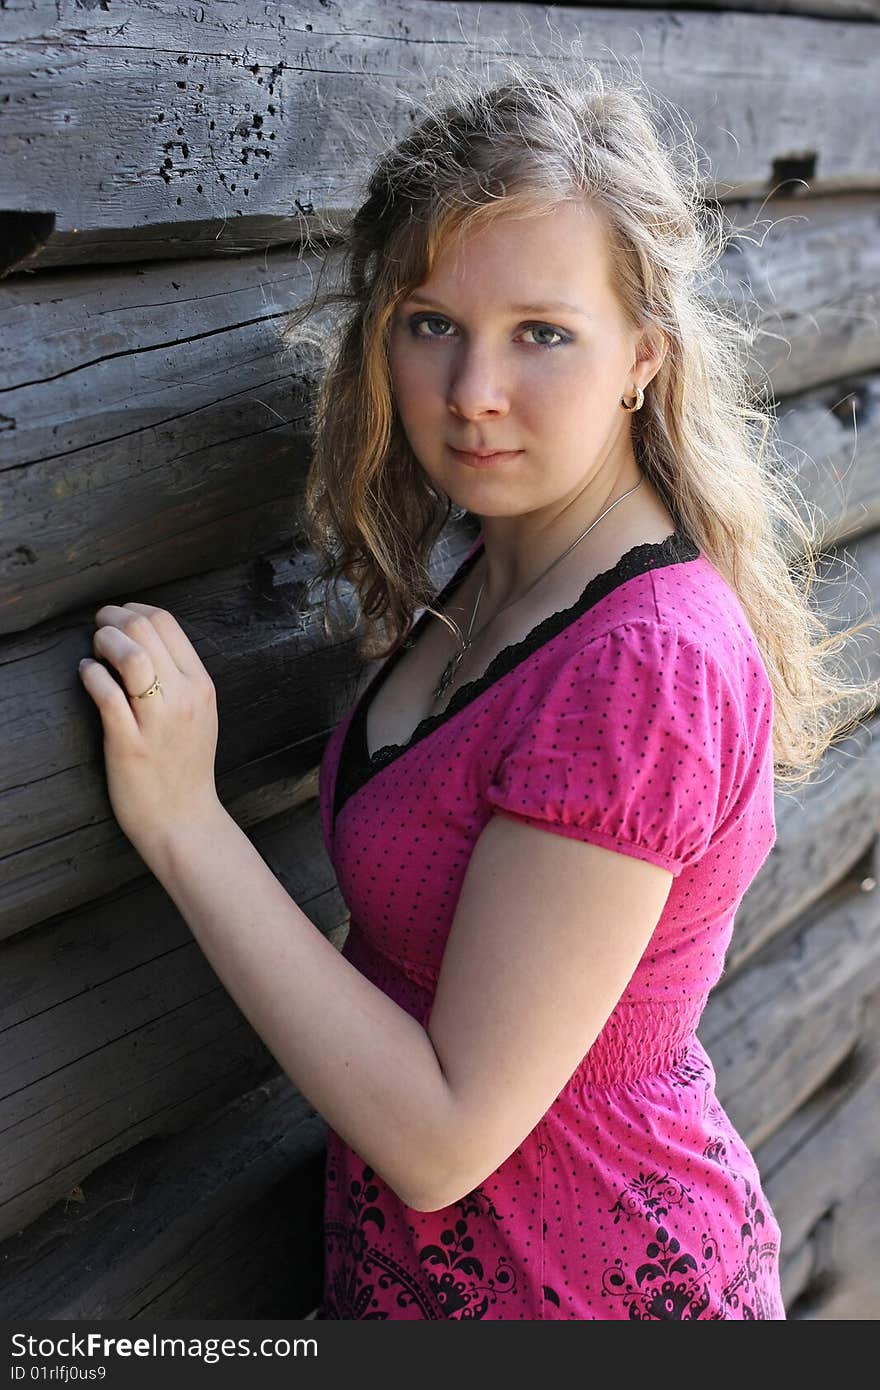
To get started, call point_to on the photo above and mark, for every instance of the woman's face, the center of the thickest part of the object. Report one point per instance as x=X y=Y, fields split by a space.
x=517 y=343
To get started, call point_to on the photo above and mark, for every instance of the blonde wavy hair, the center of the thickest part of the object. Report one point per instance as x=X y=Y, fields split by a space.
x=704 y=439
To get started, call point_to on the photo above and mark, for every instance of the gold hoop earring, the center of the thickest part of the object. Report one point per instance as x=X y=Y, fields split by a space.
x=639 y=401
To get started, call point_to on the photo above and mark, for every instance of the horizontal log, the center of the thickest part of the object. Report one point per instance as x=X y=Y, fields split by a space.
x=116 y=1029
x=222 y=1221
x=281 y=687
x=152 y=430
x=137 y=403
x=826 y=1148
x=825 y=9
x=830 y=440
x=777 y=1030
x=209 y=145
x=807 y=279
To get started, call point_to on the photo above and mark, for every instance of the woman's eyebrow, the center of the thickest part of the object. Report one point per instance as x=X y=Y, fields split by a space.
x=548 y=306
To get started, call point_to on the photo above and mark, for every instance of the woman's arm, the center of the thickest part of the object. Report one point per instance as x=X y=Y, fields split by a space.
x=365 y=1065
x=546 y=935
x=547 y=932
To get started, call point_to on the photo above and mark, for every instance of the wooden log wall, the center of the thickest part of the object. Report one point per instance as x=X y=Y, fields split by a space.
x=156 y=170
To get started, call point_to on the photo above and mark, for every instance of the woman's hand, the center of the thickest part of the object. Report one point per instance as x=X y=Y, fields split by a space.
x=159 y=749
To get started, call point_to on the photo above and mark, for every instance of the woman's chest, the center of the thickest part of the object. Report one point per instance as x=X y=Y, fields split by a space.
x=403 y=836
x=406 y=695
x=424 y=679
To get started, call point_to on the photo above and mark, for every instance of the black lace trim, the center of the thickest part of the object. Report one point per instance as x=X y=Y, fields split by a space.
x=356 y=766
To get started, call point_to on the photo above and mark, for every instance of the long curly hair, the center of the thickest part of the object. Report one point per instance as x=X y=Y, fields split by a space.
x=705 y=439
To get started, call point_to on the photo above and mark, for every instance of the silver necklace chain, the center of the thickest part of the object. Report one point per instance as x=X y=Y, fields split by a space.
x=465 y=645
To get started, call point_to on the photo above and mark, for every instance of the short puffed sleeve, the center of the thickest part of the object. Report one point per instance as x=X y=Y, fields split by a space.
x=627 y=745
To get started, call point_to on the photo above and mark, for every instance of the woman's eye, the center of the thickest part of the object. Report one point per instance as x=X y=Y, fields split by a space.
x=545 y=328
x=416 y=324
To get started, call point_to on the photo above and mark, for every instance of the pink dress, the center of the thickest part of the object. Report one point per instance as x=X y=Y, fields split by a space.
x=638 y=719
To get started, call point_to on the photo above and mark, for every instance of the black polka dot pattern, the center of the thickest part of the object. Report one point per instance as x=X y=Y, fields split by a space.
x=639 y=719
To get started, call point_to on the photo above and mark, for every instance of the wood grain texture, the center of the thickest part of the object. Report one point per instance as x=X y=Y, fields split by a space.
x=822 y=832
x=160 y=130
x=808 y=281
x=221 y=1221
x=116 y=1029
x=153 y=428
x=830 y=440
x=824 y=9
x=843 y=1286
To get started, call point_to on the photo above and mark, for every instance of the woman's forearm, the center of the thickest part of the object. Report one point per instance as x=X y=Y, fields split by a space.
x=365 y=1065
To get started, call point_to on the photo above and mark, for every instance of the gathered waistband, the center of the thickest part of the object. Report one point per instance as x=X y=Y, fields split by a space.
x=645 y=1039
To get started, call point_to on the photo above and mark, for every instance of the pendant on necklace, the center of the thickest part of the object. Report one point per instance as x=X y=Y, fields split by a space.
x=446 y=679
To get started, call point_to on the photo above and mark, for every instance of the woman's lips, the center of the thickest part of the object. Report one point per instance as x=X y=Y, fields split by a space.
x=485 y=460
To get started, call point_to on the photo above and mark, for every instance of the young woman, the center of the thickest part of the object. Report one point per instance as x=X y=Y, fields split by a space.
x=547 y=805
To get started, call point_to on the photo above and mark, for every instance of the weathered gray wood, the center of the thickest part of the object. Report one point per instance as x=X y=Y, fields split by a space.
x=829 y=9
x=116 y=1029
x=153 y=429
x=226 y=128
x=795 y=1271
x=815 y=274
x=777 y=1030
x=830 y=439
x=281 y=687
x=222 y=1221
x=846 y=1287
x=818 y=1169
x=162 y=433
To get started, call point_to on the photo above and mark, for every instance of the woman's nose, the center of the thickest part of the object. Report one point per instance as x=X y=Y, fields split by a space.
x=477 y=386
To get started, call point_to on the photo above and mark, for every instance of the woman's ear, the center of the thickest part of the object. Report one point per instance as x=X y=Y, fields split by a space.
x=652 y=348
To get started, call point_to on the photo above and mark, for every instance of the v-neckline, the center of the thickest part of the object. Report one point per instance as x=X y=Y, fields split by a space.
x=356 y=765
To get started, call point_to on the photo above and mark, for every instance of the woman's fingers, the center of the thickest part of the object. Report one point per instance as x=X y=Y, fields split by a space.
x=146 y=644
x=181 y=649
x=131 y=644
x=113 y=705
x=138 y=663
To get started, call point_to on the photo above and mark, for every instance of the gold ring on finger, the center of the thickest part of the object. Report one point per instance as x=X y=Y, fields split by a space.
x=154 y=688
